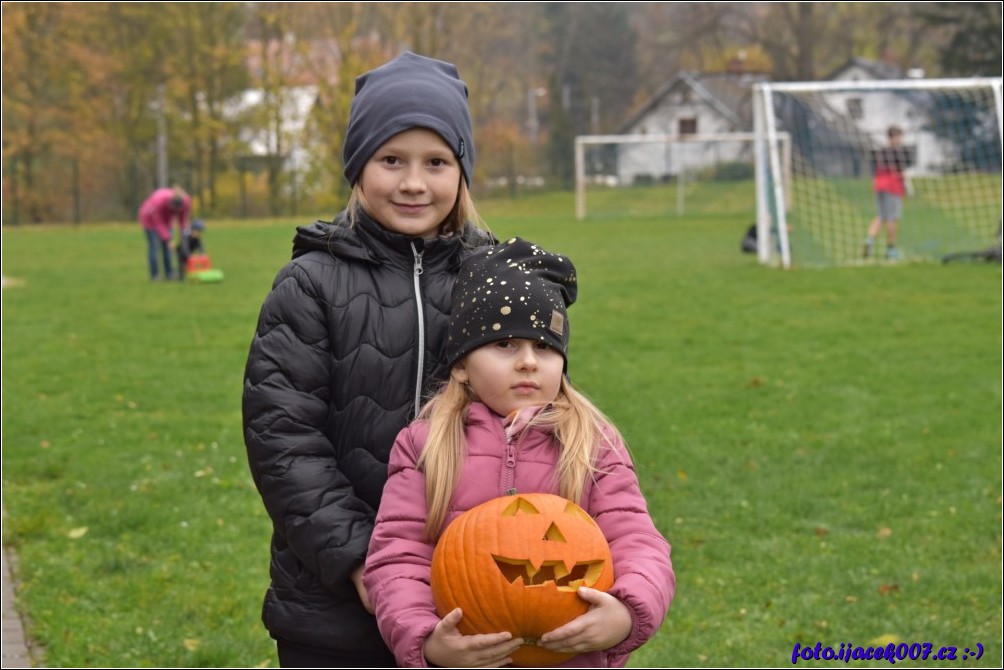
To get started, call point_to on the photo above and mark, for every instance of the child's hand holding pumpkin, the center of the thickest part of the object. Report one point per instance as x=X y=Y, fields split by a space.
x=606 y=623
x=449 y=648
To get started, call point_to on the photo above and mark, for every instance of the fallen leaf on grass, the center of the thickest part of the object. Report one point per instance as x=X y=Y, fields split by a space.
x=77 y=533
x=884 y=533
x=191 y=644
x=883 y=640
x=886 y=589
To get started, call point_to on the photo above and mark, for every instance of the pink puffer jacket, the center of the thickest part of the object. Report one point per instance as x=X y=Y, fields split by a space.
x=399 y=560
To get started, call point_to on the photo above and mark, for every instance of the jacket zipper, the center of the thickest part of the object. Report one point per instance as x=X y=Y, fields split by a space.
x=421 y=327
x=509 y=473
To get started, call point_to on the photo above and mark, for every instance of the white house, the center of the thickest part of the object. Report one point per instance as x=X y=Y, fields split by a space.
x=846 y=125
x=873 y=112
x=689 y=104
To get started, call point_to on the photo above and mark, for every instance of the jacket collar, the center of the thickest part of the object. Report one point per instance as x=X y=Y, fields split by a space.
x=369 y=241
x=480 y=414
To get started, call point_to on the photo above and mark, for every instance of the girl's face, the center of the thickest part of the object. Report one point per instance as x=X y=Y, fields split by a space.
x=410 y=184
x=508 y=375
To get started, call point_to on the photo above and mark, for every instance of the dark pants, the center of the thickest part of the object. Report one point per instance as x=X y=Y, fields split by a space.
x=182 y=261
x=299 y=656
x=154 y=245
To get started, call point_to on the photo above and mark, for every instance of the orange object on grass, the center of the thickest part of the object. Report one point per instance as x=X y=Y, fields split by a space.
x=198 y=263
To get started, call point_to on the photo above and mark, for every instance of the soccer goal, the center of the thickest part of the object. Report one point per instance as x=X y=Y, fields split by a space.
x=816 y=210
x=658 y=175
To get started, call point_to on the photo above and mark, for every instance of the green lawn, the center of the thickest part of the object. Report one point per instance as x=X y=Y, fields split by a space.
x=827 y=218
x=821 y=447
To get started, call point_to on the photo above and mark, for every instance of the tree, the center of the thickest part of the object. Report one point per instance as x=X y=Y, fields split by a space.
x=86 y=85
x=334 y=43
x=973 y=44
x=214 y=54
x=45 y=123
x=129 y=45
x=790 y=34
x=590 y=53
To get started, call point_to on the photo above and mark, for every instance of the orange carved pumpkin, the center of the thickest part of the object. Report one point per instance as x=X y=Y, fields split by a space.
x=514 y=564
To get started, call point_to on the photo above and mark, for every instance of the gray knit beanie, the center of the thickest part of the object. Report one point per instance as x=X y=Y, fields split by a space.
x=513 y=289
x=410 y=91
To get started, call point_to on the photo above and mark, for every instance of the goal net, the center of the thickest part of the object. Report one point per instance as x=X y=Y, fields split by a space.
x=663 y=176
x=817 y=210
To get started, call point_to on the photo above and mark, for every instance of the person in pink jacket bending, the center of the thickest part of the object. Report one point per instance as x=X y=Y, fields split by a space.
x=496 y=428
x=159 y=213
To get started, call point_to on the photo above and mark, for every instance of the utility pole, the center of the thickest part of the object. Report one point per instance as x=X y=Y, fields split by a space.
x=161 y=139
x=533 y=120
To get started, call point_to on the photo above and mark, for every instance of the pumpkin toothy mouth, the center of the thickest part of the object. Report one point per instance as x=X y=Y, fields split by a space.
x=581 y=574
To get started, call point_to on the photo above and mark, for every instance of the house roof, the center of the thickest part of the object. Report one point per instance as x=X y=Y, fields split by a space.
x=729 y=93
x=725 y=92
x=877 y=69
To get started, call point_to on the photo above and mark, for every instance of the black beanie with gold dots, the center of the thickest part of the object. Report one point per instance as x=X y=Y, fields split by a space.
x=511 y=290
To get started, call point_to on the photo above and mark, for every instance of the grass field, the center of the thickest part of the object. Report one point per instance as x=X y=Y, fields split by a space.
x=821 y=447
x=827 y=218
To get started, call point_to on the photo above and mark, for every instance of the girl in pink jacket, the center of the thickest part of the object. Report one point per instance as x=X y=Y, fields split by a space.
x=509 y=421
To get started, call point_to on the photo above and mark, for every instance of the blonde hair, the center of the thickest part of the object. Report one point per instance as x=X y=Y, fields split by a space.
x=580 y=428
x=462 y=212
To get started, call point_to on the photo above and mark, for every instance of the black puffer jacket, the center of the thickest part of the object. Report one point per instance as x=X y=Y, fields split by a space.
x=342 y=356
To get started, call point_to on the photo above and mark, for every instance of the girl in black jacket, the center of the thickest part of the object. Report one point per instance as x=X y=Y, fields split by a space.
x=350 y=342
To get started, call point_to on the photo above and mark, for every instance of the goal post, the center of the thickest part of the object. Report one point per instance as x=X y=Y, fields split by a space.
x=661 y=174
x=817 y=210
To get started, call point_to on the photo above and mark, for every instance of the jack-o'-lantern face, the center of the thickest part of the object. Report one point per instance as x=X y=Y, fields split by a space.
x=551 y=558
x=515 y=563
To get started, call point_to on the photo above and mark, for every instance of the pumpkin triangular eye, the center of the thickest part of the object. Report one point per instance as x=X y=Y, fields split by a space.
x=519 y=506
x=553 y=534
x=572 y=508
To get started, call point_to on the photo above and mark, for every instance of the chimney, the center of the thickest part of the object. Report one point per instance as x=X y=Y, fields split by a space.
x=738 y=63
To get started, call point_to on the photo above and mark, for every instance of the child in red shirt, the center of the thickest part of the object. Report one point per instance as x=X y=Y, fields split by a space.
x=890 y=187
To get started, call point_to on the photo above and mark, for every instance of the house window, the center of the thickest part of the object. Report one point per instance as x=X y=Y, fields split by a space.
x=854 y=109
x=688 y=126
